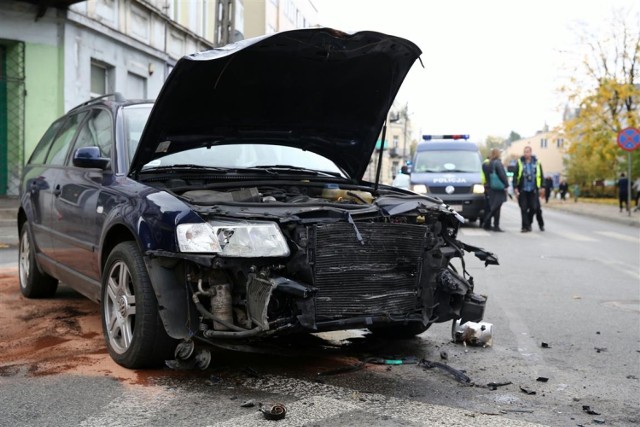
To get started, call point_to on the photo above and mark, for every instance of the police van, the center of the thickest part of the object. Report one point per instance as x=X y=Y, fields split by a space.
x=450 y=168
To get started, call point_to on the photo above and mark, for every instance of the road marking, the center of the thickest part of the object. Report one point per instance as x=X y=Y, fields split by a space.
x=621 y=236
x=339 y=400
x=135 y=407
x=621 y=267
x=576 y=236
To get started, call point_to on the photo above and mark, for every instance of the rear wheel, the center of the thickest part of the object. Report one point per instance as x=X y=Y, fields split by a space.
x=131 y=323
x=33 y=282
x=399 y=331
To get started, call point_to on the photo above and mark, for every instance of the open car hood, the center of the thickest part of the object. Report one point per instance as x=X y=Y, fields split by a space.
x=317 y=89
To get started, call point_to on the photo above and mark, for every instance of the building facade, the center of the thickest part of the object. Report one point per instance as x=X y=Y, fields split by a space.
x=273 y=16
x=57 y=56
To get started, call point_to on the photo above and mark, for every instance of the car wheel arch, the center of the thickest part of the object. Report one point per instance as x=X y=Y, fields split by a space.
x=117 y=234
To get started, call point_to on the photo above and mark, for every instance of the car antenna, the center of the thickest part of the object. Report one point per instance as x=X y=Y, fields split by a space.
x=384 y=135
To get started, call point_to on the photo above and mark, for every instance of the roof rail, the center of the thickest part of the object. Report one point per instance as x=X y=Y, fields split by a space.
x=117 y=96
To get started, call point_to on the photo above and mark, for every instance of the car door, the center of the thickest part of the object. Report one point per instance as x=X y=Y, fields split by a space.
x=76 y=228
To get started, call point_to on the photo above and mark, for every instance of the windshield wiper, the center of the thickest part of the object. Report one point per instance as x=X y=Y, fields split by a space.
x=287 y=168
x=181 y=166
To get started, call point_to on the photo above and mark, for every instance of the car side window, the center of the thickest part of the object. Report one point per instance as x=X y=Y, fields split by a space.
x=40 y=152
x=97 y=131
x=60 y=146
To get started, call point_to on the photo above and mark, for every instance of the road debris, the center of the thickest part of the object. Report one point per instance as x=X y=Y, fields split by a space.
x=527 y=391
x=472 y=333
x=588 y=410
x=444 y=355
x=494 y=386
x=248 y=403
x=457 y=374
x=600 y=349
x=273 y=412
x=542 y=379
x=545 y=345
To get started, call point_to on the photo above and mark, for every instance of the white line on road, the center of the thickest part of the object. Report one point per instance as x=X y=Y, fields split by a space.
x=576 y=236
x=635 y=238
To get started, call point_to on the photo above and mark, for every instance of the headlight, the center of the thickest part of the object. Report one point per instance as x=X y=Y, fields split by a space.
x=420 y=188
x=233 y=239
x=478 y=189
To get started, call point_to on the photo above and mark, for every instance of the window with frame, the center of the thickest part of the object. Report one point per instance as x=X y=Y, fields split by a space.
x=395 y=141
x=559 y=143
x=543 y=143
x=40 y=152
x=100 y=79
x=60 y=147
x=97 y=131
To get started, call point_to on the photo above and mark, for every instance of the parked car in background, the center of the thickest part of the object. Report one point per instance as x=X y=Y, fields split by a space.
x=234 y=208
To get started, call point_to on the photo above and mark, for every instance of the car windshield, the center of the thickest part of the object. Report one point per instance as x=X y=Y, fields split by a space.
x=447 y=161
x=243 y=156
x=135 y=117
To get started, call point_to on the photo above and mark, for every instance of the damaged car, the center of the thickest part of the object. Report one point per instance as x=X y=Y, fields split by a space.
x=233 y=208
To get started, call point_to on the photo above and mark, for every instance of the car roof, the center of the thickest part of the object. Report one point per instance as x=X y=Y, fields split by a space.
x=111 y=100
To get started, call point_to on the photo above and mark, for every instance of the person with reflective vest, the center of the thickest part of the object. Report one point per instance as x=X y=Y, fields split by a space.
x=527 y=181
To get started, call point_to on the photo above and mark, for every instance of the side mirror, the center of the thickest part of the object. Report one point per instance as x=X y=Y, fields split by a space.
x=89 y=157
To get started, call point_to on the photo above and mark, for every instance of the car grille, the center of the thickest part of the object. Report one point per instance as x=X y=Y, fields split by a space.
x=377 y=277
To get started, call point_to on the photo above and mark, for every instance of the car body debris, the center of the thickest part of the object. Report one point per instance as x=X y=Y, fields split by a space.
x=588 y=410
x=457 y=374
x=473 y=333
x=542 y=379
x=273 y=412
x=494 y=386
x=545 y=345
x=248 y=403
x=527 y=391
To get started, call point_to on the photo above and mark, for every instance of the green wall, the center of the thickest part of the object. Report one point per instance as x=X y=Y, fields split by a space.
x=44 y=80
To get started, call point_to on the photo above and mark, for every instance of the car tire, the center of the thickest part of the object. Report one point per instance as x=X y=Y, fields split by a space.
x=399 y=331
x=33 y=282
x=133 y=330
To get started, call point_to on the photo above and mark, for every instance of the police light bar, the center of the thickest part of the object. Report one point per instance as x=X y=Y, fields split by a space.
x=430 y=137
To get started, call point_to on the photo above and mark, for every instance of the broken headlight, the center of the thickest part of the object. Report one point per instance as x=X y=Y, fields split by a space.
x=233 y=239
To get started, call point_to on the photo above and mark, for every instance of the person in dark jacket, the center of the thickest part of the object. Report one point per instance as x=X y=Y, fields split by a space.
x=564 y=189
x=623 y=191
x=527 y=179
x=496 y=196
x=548 y=187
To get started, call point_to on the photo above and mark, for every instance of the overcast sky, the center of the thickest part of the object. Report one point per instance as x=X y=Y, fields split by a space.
x=490 y=66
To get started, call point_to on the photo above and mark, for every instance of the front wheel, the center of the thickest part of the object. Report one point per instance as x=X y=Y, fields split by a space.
x=131 y=323
x=33 y=282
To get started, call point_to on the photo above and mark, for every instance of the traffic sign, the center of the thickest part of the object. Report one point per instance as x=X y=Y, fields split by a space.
x=629 y=139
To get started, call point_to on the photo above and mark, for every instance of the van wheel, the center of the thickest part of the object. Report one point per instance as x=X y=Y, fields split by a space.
x=33 y=282
x=132 y=327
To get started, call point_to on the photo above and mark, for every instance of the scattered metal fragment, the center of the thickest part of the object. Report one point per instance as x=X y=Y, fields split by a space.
x=545 y=345
x=248 y=403
x=457 y=374
x=542 y=379
x=598 y=421
x=600 y=349
x=588 y=410
x=273 y=412
x=494 y=386
x=472 y=333
x=444 y=355
x=527 y=391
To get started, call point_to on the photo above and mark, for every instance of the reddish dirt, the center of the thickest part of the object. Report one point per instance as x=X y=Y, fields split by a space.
x=62 y=334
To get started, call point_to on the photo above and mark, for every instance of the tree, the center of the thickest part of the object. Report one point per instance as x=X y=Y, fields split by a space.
x=491 y=142
x=607 y=98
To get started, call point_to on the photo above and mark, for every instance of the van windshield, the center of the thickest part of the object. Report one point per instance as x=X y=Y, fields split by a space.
x=447 y=161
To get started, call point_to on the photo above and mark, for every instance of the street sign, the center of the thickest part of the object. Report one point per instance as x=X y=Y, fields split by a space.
x=629 y=139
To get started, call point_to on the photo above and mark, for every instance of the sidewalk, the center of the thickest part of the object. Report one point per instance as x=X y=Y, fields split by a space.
x=596 y=210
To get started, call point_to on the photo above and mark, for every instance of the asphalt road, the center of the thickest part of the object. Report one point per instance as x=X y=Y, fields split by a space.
x=574 y=287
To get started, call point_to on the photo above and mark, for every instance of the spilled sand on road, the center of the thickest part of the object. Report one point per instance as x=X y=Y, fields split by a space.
x=62 y=334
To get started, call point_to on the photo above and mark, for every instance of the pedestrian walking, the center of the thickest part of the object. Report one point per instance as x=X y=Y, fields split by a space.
x=527 y=180
x=498 y=184
x=548 y=187
x=623 y=191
